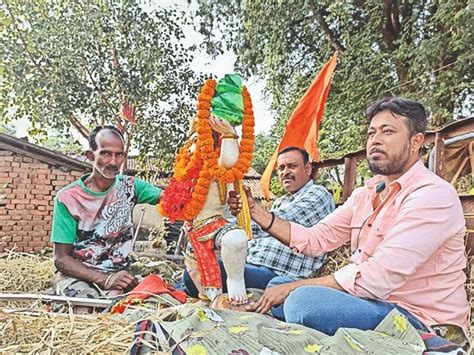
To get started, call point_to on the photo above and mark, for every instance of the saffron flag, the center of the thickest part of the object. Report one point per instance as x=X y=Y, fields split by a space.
x=302 y=128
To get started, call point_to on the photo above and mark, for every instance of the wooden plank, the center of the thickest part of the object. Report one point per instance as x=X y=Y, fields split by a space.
x=350 y=166
x=74 y=301
x=440 y=154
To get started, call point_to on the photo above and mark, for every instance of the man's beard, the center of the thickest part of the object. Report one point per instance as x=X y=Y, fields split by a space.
x=395 y=165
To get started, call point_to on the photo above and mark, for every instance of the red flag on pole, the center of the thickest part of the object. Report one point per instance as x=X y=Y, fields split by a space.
x=302 y=128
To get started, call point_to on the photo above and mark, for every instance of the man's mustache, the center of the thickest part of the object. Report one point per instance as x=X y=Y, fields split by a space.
x=113 y=168
x=288 y=176
x=377 y=150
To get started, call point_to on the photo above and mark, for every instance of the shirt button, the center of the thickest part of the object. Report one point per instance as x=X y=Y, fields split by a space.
x=370 y=224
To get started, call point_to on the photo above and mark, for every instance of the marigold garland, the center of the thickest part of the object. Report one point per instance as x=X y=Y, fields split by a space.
x=186 y=193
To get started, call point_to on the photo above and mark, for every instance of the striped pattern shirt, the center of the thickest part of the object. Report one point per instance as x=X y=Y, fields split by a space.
x=307 y=207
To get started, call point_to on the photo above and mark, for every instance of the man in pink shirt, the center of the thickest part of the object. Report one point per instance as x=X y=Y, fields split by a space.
x=406 y=230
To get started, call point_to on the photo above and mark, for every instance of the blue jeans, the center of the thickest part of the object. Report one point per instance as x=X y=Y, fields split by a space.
x=255 y=276
x=326 y=309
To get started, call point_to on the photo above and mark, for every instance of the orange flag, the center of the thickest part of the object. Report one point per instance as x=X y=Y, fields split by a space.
x=303 y=126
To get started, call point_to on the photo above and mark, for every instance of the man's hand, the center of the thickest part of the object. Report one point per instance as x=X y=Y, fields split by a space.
x=273 y=296
x=235 y=201
x=122 y=280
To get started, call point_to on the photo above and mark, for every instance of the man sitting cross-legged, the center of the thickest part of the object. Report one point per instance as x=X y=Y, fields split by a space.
x=406 y=229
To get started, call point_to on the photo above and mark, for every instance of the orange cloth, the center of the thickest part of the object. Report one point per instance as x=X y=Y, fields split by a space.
x=302 y=127
x=151 y=285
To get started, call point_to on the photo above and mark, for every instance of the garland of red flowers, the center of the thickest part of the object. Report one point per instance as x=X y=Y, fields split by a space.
x=186 y=193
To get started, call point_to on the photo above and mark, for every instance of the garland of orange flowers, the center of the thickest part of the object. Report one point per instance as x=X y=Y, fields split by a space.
x=187 y=190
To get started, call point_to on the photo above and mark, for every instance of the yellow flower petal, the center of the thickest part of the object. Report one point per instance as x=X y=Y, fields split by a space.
x=312 y=348
x=196 y=349
x=400 y=323
x=238 y=329
x=202 y=315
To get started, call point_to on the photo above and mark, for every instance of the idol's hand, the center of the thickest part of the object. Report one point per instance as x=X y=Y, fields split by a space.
x=221 y=126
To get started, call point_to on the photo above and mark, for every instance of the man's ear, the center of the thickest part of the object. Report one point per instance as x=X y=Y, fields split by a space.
x=90 y=155
x=307 y=168
x=417 y=141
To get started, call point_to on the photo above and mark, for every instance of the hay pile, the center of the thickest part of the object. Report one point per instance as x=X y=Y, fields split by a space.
x=22 y=272
x=58 y=333
x=335 y=260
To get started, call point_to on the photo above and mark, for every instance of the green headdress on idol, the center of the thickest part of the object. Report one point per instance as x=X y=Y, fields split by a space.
x=228 y=103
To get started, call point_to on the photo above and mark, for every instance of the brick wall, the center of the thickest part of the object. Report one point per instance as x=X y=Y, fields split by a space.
x=27 y=190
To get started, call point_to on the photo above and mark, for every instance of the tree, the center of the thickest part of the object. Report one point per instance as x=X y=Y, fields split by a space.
x=77 y=63
x=418 y=49
x=263 y=148
x=62 y=143
x=7 y=128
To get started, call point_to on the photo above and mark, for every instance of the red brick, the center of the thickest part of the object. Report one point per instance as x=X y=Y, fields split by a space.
x=6 y=180
x=27 y=160
x=20 y=201
x=4 y=153
x=36 y=234
x=9 y=158
x=38 y=166
x=15 y=165
x=40 y=182
x=22 y=170
x=39 y=202
x=58 y=183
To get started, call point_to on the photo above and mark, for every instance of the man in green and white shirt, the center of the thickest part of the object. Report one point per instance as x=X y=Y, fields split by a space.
x=92 y=228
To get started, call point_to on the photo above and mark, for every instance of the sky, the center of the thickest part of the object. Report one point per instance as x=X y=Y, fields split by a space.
x=219 y=66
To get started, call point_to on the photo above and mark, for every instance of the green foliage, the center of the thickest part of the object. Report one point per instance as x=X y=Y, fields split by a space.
x=62 y=143
x=418 y=49
x=73 y=63
x=265 y=145
x=7 y=128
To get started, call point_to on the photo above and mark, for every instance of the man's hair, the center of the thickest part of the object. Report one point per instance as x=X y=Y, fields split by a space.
x=413 y=110
x=95 y=131
x=303 y=152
